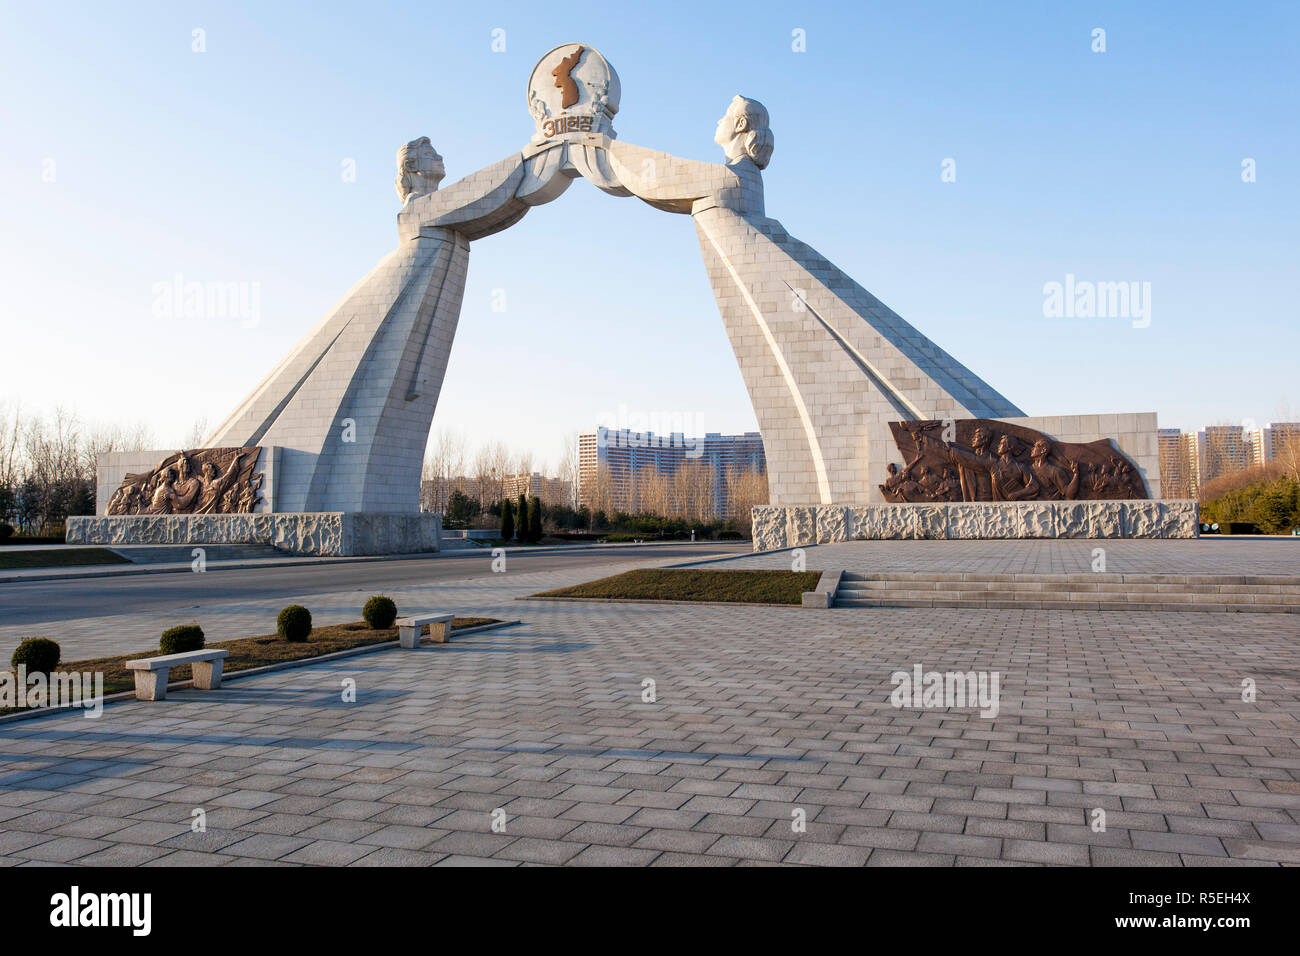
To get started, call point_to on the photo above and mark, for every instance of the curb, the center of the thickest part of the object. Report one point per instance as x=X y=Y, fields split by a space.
x=592 y=600
x=112 y=571
x=736 y=557
x=129 y=695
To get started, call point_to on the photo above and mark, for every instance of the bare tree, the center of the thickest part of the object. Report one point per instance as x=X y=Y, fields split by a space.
x=569 y=470
x=1177 y=468
x=600 y=495
x=694 y=488
x=746 y=488
x=1286 y=441
x=655 y=492
x=444 y=464
x=198 y=432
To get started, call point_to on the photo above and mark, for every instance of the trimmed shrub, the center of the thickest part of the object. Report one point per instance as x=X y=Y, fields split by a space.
x=380 y=612
x=6 y=530
x=179 y=640
x=40 y=654
x=730 y=536
x=294 y=623
x=535 y=521
x=1237 y=527
x=507 y=521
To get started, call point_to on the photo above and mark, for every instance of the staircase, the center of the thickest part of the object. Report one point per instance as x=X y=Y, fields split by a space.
x=178 y=553
x=1078 y=592
x=457 y=544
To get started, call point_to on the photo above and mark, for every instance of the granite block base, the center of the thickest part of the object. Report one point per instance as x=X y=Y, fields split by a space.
x=787 y=527
x=326 y=533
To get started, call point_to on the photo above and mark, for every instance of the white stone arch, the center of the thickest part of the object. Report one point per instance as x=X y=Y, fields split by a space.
x=826 y=364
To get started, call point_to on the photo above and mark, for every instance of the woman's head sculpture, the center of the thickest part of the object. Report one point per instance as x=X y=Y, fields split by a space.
x=743 y=131
x=419 y=169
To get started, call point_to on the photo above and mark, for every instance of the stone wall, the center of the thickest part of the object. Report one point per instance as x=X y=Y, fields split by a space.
x=328 y=533
x=778 y=527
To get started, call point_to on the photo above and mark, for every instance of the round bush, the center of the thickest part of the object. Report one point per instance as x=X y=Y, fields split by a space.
x=294 y=623
x=40 y=654
x=178 y=640
x=379 y=612
x=6 y=530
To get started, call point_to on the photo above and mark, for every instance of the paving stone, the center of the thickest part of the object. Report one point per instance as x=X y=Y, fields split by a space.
x=614 y=856
x=62 y=849
x=532 y=850
x=401 y=837
x=1118 y=856
x=265 y=846
x=605 y=834
x=1112 y=712
x=900 y=858
x=124 y=854
x=389 y=856
x=328 y=853
x=828 y=854
x=1056 y=853
x=752 y=848
x=962 y=844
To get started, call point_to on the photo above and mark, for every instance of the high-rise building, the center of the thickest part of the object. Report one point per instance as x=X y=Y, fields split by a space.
x=1188 y=461
x=1275 y=440
x=547 y=490
x=1178 y=464
x=1221 y=450
x=616 y=468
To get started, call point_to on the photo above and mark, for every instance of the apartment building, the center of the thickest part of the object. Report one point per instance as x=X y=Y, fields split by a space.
x=617 y=458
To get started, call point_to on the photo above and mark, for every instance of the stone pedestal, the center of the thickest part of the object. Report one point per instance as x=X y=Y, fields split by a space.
x=324 y=533
x=787 y=527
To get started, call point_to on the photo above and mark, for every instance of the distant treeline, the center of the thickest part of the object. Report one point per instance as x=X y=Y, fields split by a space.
x=1266 y=496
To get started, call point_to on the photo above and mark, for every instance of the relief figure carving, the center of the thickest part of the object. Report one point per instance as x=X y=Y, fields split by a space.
x=1022 y=465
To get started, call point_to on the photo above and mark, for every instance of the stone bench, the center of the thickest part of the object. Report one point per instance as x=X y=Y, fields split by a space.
x=408 y=629
x=151 y=672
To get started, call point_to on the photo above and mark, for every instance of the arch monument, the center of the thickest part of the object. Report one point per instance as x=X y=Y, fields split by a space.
x=870 y=429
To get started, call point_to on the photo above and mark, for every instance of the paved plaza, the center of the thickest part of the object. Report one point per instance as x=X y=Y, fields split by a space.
x=761 y=717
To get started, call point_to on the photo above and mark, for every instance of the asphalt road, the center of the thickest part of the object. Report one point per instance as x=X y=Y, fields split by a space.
x=44 y=601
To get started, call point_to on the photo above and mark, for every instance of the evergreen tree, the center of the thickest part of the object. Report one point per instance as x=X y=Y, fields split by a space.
x=535 y=521
x=507 y=521
x=521 y=519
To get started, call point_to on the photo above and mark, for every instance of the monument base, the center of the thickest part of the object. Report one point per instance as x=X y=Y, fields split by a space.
x=785 y=527
x=325 y=533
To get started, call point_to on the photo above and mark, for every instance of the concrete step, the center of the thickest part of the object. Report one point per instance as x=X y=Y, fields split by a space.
x=1107 y=592
x=1078 y=591
x=1023 y=604
x=996 y=594
x=459 y=544
x=178 y=553
x=1267 y=580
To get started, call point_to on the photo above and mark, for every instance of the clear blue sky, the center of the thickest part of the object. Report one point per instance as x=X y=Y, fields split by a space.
x=225 y=166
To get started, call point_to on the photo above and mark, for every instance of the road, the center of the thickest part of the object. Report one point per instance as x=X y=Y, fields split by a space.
x=47 y=601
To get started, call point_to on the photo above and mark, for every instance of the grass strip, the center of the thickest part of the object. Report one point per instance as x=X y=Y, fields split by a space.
x=58 y=558
x=686 y=584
